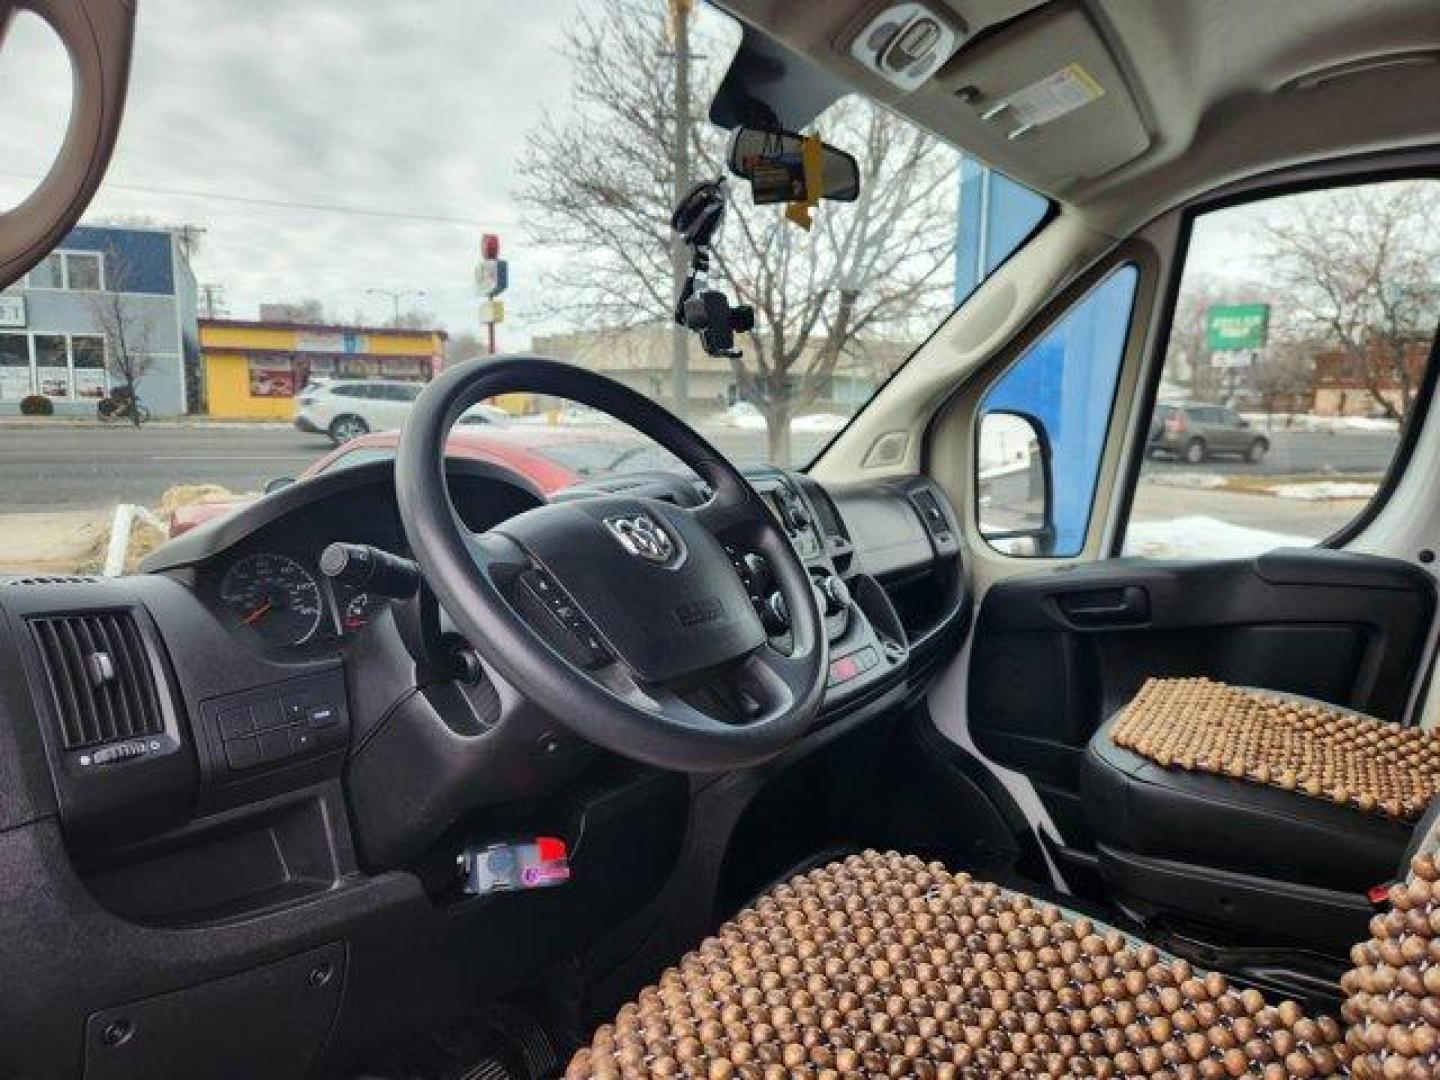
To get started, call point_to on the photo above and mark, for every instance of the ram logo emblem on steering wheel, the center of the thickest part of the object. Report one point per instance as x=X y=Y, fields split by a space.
x=639 y=534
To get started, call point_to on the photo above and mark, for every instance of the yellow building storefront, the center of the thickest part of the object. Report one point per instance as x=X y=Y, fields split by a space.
x=253 y=370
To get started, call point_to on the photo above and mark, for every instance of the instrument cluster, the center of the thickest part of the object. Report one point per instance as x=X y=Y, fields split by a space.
x=268 y=588
x=286 y=603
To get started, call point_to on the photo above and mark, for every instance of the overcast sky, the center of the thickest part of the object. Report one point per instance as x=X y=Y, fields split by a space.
x=416 y=109
x=358 y=105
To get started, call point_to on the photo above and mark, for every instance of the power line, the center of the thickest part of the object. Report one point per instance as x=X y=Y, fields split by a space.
x=284 y=204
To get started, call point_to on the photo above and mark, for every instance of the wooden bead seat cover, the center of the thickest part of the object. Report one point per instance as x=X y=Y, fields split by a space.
x=1305 y=747
x=883 y=965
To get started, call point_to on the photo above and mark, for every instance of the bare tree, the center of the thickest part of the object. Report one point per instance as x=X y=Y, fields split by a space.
x=308 y=311
x=463 y=346
x=599 y=183
x=1285 y=375
x=125 y=327
x=1359 y=267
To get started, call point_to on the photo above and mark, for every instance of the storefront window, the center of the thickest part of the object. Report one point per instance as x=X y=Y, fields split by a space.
x=88 y=354
x=50 y=274
x=14 y=367
x=83 y=271
x=52 y=366
x=272 y=376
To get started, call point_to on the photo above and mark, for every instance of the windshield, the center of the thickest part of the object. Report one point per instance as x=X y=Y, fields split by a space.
x=312 y=212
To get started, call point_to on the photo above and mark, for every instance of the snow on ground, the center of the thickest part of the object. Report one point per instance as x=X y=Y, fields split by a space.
x=1323 y=490
x=1311 y=422
x=819 y=422
x=1198 y=537
x=746 y=417
x=1200 y=480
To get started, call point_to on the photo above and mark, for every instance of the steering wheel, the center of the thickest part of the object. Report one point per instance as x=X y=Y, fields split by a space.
x=622 y=617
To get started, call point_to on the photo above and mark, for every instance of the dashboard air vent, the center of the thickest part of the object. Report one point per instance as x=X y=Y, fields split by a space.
x=101 y=679
x=928 y=504
x=830 y=523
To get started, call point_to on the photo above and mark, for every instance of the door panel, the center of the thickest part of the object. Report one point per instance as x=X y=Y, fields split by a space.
x=1056 y=653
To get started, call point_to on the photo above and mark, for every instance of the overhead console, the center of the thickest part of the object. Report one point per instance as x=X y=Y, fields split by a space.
x=1031 y=88
x=1042 y=98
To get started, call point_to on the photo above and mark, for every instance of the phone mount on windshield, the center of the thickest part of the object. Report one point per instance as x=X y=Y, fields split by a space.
x=707 y=312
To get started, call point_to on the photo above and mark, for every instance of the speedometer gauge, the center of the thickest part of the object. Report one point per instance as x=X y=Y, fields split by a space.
x=275 y=596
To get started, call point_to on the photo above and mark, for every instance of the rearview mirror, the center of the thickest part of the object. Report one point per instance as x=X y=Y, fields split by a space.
x=279 y=483
x=774 y=164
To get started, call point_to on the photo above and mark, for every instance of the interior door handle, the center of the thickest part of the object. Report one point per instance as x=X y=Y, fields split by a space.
x=1106 y=607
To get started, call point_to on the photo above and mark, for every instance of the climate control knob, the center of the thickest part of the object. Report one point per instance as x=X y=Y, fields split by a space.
x=835 y=593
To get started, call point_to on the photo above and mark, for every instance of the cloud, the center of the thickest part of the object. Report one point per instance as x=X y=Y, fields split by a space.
x=410 y=109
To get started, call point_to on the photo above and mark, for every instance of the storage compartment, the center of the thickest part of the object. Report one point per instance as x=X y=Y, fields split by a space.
x=270 y=1021
x=234 y=868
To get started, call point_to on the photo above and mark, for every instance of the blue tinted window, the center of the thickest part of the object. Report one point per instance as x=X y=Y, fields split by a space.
x=1065 y=385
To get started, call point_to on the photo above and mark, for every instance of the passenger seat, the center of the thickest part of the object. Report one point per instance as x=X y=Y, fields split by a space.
x=1198 y=847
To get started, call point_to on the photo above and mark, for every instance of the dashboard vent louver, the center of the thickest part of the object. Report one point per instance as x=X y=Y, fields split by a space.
x=830 y=523
x=101 y=679
x=925 y=501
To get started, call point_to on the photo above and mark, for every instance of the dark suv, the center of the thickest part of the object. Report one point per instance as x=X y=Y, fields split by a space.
x=1194 y=433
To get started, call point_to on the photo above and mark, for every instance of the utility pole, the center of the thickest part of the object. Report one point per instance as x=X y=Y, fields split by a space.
x=212 y=300
x=189 y=237
x=396 y=295
x=680 y=11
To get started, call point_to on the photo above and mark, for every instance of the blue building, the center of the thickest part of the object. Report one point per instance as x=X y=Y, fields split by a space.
x=103 y=289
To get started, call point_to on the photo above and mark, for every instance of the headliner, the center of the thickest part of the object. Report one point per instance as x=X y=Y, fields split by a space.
x=1221 y=90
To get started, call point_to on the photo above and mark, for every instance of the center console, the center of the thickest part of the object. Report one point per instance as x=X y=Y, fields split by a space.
x=867 y=641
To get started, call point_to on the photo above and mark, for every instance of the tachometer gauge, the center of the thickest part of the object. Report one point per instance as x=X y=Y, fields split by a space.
x=275 y=596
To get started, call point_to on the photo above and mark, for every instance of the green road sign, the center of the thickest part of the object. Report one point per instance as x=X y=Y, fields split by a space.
x=1237 y=326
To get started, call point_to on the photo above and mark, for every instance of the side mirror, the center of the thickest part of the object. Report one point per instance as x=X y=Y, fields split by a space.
x=279 y=483
x=773 y=162
x=1013 y=485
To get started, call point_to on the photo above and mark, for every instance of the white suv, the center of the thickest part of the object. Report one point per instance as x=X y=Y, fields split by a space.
x=345 y=409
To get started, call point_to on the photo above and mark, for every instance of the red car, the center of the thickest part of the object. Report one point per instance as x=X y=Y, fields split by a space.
x=549 y=458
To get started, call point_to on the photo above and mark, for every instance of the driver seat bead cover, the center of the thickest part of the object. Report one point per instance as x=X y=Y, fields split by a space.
x=883 y=965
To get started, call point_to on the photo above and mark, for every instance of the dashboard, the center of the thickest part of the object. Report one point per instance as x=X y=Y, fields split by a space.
x=268 y=803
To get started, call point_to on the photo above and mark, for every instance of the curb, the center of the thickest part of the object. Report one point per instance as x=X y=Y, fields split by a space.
x=71 y=423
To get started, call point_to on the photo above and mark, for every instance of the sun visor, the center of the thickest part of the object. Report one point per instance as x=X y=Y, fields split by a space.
x=767 y=84
x=1042 y=99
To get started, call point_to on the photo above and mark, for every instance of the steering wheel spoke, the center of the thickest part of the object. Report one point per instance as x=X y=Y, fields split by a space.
x=497 y=556
x=728 y=515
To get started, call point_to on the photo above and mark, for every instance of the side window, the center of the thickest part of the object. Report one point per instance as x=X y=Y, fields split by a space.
x=1043 y=425
x=1304 y=323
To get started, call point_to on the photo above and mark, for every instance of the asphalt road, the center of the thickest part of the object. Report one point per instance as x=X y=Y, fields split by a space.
x=74 y=467
x=1304 y=453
